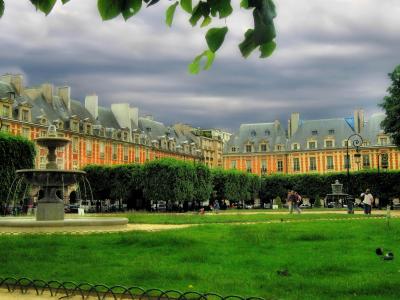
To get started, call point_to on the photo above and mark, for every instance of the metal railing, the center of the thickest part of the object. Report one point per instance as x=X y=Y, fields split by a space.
x=100 y=291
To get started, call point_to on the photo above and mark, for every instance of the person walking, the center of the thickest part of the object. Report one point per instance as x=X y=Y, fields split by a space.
x=293 y=201
x=297 y=202
x=367 y=202
x=216 y=206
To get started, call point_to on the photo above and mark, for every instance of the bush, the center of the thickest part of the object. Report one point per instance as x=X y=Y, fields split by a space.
x=317 y=202
x=278 y=201
x=15 y=153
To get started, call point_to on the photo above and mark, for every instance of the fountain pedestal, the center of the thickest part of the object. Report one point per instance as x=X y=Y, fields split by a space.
x=50 y=211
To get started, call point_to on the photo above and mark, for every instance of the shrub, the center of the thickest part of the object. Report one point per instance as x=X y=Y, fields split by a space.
x=15 y=153
x=278 y=201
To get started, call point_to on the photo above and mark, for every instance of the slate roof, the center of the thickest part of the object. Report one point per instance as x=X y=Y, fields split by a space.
x=256 y=134
x=340 y=126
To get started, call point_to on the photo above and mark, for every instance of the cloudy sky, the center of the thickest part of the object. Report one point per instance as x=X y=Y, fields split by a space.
x=332 y=57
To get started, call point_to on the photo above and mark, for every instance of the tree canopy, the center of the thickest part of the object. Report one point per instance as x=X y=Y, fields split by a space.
x=200 y=12
x=391 y=105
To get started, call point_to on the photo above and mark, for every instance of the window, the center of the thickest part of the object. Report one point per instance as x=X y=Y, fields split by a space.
x=347 y=161
x=279 y=147
x=89 y=148
x=312 y=145
x=329 y=144
x=296 y=164
x=331 y=131
x=42 y=162
x=233 y=164
x=280 y=166
x=26 y=132
x=345 y=143
x=75 y=144
x=248 y=166
x=365 y=161
x=43 y=133
x=263 y=166
x=75 y=165
x=248 y=148
x=126 y=153
x=295 y=146
x=102 y=148
x=267 y=132
x=88 y=129
x=60 y=163
x=233 y=149
x=329 y=162
x=25 y=115
x=313 y=164
x=263 y=147
x=253 y=133
x=114 y=151
x=5 y=111
x=314 y=132
x=147 y=155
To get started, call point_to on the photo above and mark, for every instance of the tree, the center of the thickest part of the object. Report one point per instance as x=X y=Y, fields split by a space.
x=261 y=36
x=391 y=105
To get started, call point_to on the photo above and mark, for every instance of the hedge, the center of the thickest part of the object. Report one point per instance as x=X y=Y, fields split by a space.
x=16 y=153
x=384 y=185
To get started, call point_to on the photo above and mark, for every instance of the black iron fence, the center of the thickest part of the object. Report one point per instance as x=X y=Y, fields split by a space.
x=68 y=289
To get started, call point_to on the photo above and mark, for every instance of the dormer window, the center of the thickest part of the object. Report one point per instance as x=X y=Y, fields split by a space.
x=43 y=121
x=263 y=147
x=5 y=112
x=88 y=128
x=314 y=132
x=383 y=141
x=233 y=149
x=295 y=146
x=253 y=133
x=312 y=145
x=249 y=148
x=267 y=132
x=279 y=147
x=331 y=131
x=328 y=144
x=11 y=95
x=25 y=115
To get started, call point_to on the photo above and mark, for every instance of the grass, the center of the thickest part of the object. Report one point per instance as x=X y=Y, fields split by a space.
x=325 y=260
x=229 y=217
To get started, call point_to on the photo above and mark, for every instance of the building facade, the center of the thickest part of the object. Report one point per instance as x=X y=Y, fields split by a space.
x=312 y=146
x=99 y=135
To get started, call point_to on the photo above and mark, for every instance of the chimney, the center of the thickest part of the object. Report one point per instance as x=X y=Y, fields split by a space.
x=64 y=92
x=134 y=115
x=294 y=123
x=277 y=124
x=47 y=92
x=17 y=81
x=92 y=105
x=358 y=120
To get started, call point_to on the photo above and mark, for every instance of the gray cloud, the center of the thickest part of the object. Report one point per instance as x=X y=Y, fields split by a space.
x=332 y=57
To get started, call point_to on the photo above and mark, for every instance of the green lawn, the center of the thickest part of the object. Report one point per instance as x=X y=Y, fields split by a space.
x=228 y=217
x=325 y=259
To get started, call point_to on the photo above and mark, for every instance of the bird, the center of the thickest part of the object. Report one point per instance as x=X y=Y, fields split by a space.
x=388 y=256
x=379 y=251
x=284 y=272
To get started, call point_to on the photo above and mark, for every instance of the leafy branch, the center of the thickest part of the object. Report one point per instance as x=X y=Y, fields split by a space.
x=261 y=36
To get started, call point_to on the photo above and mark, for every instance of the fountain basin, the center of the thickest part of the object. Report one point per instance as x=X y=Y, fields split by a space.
x=50 y=177
x=52 y=142
x=90 y=221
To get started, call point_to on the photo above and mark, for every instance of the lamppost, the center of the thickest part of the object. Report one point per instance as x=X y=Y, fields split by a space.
x=356 y=141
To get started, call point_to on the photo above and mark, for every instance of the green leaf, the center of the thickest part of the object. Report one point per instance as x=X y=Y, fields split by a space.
x=223 y=7
x=248 y=45
x=206 y=22
x=267 y=49
x=109 y=9
x=44 y=5
x=1 y=8
x=194 y=67
x=215 y=37
x=64 y=1
x=187 y=6
x=244 y=4
x=169 y=14
x=201 y=10
x=131 y=8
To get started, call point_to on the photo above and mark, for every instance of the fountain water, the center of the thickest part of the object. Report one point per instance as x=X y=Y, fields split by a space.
x=50 y=207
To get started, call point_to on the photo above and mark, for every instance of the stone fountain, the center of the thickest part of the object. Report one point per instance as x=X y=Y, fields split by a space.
x=50 y=209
